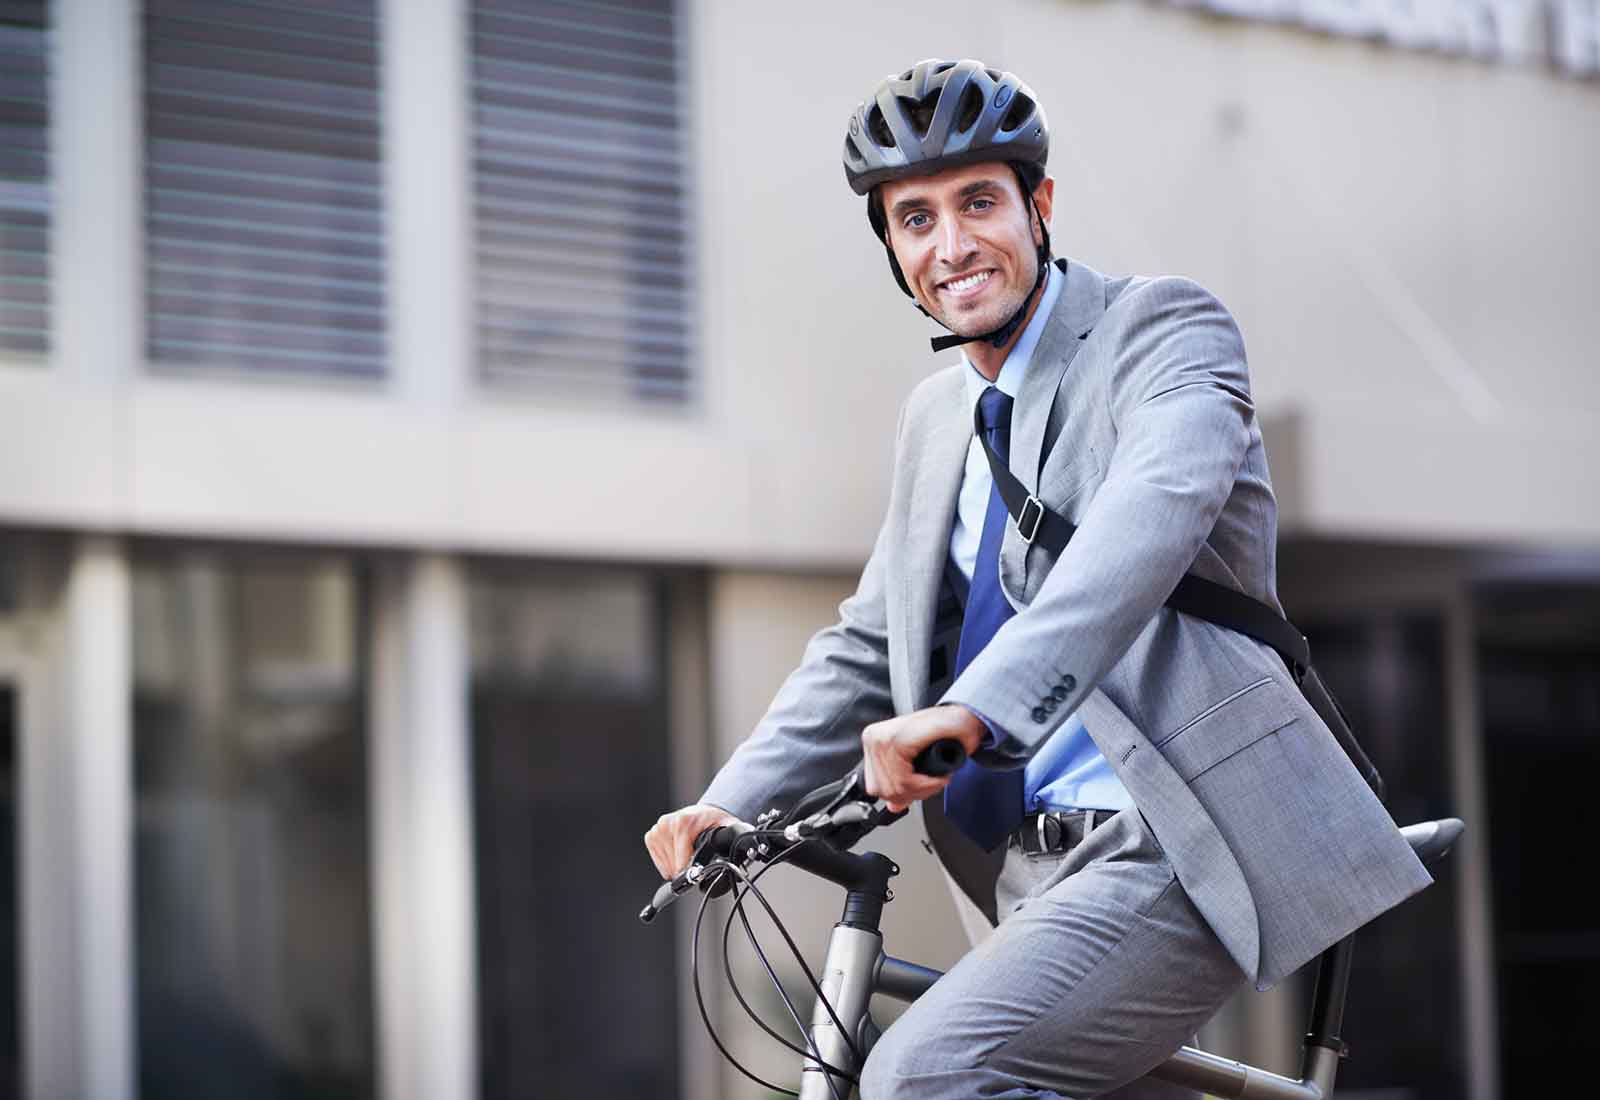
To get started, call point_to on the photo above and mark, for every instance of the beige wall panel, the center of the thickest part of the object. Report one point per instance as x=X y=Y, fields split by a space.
x=210 y=456
x=60 y=450
x=595 y=482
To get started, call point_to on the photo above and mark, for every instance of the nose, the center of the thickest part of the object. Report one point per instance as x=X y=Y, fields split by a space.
x=954 y=244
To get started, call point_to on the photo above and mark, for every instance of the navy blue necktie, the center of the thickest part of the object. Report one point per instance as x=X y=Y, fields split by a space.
x=985 y=804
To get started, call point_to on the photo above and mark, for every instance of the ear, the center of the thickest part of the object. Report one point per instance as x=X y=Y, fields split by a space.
x=1044 y=198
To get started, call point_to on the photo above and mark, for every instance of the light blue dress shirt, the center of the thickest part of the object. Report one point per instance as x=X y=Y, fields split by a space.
x=1069 y=772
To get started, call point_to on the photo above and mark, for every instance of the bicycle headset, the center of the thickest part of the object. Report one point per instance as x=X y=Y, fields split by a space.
x=946 y=114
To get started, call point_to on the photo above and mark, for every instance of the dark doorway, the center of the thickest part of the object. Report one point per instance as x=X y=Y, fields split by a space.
x=1403 y=1018
x=10 y=1016
x=1539 y=654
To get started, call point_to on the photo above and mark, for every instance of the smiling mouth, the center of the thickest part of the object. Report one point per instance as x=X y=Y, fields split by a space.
x=966 y=284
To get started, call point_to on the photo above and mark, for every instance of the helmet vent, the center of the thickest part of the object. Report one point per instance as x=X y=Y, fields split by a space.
x=944 y=67
x=920 y=113
x=971 y=106
x=1021 y=108
x=878 y=129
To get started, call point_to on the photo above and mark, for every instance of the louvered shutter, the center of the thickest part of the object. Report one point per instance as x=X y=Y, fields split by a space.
x=24 y=177
x=263 y=207
x=583 y=267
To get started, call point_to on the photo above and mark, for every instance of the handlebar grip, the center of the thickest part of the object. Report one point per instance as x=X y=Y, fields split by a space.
x=665 y=896
x=940 y=758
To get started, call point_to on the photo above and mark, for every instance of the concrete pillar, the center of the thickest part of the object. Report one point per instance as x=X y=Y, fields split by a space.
x=700 y=1067
x=96 y=709
x=425 y=899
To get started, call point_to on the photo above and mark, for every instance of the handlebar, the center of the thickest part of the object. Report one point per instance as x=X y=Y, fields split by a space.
x=940 y=758
x=847 y=807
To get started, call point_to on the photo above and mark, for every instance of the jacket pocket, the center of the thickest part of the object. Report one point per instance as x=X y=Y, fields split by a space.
x=1226 y=726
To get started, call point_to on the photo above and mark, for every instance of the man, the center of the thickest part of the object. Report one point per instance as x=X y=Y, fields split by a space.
x=1169 y=815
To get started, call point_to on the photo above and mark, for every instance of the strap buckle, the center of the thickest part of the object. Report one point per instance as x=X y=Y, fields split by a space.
x=1028 y=525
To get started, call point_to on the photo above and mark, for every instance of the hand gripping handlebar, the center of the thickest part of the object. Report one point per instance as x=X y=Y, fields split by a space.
x=832 y=808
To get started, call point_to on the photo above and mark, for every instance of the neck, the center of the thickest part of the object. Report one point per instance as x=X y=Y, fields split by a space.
x=987 y=359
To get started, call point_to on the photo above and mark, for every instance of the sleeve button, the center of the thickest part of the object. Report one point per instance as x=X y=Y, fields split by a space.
x=1069 y=682
x=1040 y=714
x=1060 y=694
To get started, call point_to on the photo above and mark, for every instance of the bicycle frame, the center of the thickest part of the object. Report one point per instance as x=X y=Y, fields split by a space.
x=856 y=967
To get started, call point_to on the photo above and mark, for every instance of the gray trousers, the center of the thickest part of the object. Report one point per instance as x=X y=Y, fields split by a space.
x=1101 y=968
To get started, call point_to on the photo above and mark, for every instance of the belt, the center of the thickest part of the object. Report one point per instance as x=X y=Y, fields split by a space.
x=1048 y=831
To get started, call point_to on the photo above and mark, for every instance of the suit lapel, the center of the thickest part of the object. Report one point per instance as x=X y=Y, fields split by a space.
x=1076 y=312
x=930 y=511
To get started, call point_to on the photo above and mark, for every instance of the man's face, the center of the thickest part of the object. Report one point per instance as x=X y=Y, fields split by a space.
x=966 y=242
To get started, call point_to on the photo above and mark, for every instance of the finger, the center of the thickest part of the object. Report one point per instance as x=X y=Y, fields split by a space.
x=683 y=849
x=653 y=844
x=869 y=774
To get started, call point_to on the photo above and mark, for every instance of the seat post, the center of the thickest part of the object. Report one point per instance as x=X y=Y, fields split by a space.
x=1323 y=1044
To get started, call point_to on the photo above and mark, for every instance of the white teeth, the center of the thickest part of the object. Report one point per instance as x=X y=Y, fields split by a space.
x=969 y=282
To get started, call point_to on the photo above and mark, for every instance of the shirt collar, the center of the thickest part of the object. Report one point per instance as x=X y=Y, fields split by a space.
x=1010 y=379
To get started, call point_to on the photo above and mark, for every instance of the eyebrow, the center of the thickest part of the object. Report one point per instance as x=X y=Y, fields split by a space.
x=912 y=202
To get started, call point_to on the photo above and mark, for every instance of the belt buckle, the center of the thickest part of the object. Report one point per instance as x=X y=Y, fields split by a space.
x=1042 y=835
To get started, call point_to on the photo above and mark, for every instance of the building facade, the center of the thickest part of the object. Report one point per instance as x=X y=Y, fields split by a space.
x=430 y=430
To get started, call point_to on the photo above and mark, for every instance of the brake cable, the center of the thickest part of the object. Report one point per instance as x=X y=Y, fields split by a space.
x=788 y=1002
x=722 y=867
x=815 y=1053
x=705 y=1016
x=794 y=949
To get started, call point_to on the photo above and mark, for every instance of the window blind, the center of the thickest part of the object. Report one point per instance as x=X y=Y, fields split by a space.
x=263 y=207
x=583 y=266
x=24 y=176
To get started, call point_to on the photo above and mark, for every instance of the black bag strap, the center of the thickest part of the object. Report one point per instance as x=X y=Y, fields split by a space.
x=1195 y=596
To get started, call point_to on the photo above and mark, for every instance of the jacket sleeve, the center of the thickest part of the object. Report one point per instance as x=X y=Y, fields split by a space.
x=1179 y=399
x=811 y=733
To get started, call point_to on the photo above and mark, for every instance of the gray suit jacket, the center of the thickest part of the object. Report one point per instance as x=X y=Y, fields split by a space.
x=1135 y=422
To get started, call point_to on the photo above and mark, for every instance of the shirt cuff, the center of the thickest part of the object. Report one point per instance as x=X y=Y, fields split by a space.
x=996 y=749
x=993 y=734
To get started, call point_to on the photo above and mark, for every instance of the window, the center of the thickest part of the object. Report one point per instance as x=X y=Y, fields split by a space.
x=24 y=177
x=570 y=766
x=582 y=250
x=253 y=919
x=263 y=208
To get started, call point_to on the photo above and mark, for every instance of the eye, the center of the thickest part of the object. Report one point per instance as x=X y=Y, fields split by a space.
x=980 y=205
x=916 y=221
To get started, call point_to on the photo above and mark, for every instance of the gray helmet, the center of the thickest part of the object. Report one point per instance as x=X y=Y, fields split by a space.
x=944 y=114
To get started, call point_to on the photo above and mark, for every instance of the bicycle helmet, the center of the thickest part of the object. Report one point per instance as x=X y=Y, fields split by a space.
x=944 y=114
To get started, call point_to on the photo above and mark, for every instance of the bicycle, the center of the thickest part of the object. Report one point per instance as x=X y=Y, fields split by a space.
x=815 y=837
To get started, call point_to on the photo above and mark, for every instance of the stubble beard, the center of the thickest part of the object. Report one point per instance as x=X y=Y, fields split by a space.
x=987 y=320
